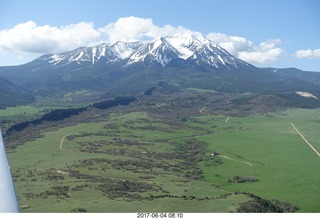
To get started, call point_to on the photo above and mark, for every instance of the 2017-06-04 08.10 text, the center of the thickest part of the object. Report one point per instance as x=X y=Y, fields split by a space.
x=159 y=215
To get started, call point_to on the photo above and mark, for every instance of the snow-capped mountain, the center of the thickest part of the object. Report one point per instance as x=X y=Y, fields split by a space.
x=131 y=67
x=161 y=50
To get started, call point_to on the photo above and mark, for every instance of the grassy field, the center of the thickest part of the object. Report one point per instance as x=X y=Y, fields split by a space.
x=20 y=110
x=284 y=166
x=125 y=163
x=135 y=162
x=12 y=115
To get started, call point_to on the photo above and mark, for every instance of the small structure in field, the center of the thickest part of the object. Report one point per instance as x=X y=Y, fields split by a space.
x=215 y=154
x=116 y=139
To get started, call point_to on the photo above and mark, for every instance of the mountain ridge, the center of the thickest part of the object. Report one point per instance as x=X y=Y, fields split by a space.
x=12 y=95
x=161 y=50
x=127 y=68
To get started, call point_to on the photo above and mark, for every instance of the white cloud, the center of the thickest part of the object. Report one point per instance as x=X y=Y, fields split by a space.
x=128 y=29
x=246 y=50
x=30 y=38
x=131 y=29
x=307 y=53
x=232 y=44
x=266 y=52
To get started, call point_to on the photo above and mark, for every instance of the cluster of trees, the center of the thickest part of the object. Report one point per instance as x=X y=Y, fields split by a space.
x=260 y=205
x=61 y=114
x=243 y=179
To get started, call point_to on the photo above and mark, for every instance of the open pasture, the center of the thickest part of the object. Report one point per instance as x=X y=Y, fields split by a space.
x=283 y=165
x=134 y=161
x=125 y=163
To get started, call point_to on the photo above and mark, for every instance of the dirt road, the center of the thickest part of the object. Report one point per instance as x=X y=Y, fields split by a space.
x=201 y=111
x=61 y=142
x=305 y=140
x=236 y=160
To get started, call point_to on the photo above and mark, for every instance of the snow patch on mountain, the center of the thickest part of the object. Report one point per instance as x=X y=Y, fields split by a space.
x=94 y=52
x=55 y=59
x=125 y=50
x=306 y=94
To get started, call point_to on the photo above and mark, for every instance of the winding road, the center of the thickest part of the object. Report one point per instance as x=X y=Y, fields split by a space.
x=61 y=142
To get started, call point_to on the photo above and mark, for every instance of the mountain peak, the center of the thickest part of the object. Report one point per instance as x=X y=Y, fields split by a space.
x=187 y=43
x=158 y=50
x=188 y=38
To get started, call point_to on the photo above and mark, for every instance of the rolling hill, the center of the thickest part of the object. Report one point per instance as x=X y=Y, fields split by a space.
x=12 y=95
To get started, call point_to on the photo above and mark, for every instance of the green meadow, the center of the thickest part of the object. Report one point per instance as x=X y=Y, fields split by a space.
x=285 y=167
x=137 y=162
x=125 y=163
x=16 y=111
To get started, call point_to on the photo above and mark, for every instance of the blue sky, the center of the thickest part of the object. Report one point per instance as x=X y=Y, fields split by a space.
x=276 y=33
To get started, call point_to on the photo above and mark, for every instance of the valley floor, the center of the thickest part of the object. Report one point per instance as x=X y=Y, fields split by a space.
x=185 y=152
x=135 y=161
x=283 y=165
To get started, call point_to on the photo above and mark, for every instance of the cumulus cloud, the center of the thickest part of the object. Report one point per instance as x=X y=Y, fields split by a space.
x=246 y=50
x=131 y=29
x=30 y=38
x=308 y=53
x=233 y=44
x=266 y=52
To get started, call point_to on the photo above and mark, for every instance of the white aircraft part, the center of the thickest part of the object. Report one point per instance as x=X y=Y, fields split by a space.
x=8 y=200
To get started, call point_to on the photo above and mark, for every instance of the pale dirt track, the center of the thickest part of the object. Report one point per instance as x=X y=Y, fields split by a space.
x=201 y=111
x=310 y=145
x=61 y=142
x=236 y=160
x=83 y=129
